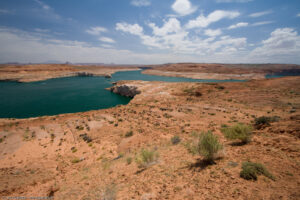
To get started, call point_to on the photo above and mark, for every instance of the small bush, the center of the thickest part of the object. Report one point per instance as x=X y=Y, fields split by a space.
x=146 y=158
x=208 y=145
x=110 y=193
x=239 y=131
x=264 y=121
x=129 y=160
x=175 y=140
x=75 y=160
x=251 y=170
x=129 y=134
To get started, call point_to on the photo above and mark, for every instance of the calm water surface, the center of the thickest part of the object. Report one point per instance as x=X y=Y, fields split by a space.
x=68 y=95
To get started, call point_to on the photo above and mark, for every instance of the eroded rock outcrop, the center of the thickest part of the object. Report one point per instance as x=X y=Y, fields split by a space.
x=125 y=90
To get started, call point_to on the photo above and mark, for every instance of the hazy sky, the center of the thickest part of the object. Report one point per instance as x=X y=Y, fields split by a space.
x=150 y=31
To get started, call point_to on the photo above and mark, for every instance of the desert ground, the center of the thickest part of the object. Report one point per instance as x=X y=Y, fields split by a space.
x=94 y=155
x=40 y=72
x=221 y=71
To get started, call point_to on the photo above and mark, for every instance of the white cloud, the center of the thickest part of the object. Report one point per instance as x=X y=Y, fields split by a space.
x=183 y=7
x=20 y=46
x=212 y=33
x=259 y=14
x=107 y=46
x=43 y=5
x=97 y=30
x=233 y=1
x=40 y=30
x=238 y=25
x=298 y=15
x=283 y=45
x=171 y=26
x=134 y=29
x=215 y=16
x=5 y=12
x=106 y=39
x=262 y=23
x=140 y=3
x=172 y=37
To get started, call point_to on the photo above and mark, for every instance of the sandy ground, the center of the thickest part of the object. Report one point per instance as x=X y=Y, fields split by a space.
x=47 y=157
x=30 y=73
x=221 y=71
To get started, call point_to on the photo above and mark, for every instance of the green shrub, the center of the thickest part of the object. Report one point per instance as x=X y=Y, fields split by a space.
x=110 y=193
x=242 y=132
x=146 y=158
x=129 y=134
x=75 y=160
x=251 y=170
x=129 y=160
x=208 y=145
x=263 y=121
x=175 y=140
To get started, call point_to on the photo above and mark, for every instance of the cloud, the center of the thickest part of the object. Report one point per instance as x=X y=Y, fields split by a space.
x=212 y=33
x=298 y=15
x=262 y=23
x=134 y=29
x=24 y=47
x=140 y=3
x=202 y=21
x=97 y=30
x=106 y=39
x=171 y=26
x=259 y=14
x=40 y=30
x=43 y=5
x=238 y=25
x=183 y=7
x=283 y=45
x=173 y=38
x=6 y=12
x=233 y=1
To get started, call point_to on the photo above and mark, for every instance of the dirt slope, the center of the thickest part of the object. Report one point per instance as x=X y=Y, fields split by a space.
x=47 y=156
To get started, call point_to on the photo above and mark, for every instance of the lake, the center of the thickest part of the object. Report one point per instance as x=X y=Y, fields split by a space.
x=69 y=95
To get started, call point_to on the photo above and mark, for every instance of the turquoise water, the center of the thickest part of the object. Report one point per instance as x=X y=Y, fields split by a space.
x=68 y=95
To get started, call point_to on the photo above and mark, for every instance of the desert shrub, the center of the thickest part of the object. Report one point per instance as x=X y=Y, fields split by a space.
x=129 y=134
x=208 y=145
x=263 y=121
x=146 y=158
x=175 y=140
x=251 y=170
x=110 y=193
x=129 y=160
x=75 y=160
x=242 y=132
x=192 y=92
x=86 y=138
x=220 y=87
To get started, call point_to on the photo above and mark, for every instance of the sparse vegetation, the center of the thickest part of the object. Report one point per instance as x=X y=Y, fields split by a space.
x=146 y=158
x=238 y=131
x=129 y=134
x=175 y=140
x=129 y=160
x=264 y=121
x=207 y=145
x=75 y=160
x=110 y=193
x=251 y=170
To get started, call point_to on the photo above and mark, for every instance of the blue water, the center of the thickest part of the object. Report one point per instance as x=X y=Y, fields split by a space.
x=69 y=95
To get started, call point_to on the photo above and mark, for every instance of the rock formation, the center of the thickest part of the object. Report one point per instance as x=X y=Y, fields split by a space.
x=125 y=90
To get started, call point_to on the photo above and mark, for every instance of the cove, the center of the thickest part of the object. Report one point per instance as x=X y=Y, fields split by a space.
x=69 y=95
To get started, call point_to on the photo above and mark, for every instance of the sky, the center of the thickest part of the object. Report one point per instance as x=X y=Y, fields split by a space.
x=150 y=31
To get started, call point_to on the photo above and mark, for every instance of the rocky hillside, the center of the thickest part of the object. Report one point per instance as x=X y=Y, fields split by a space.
x=148 y=149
